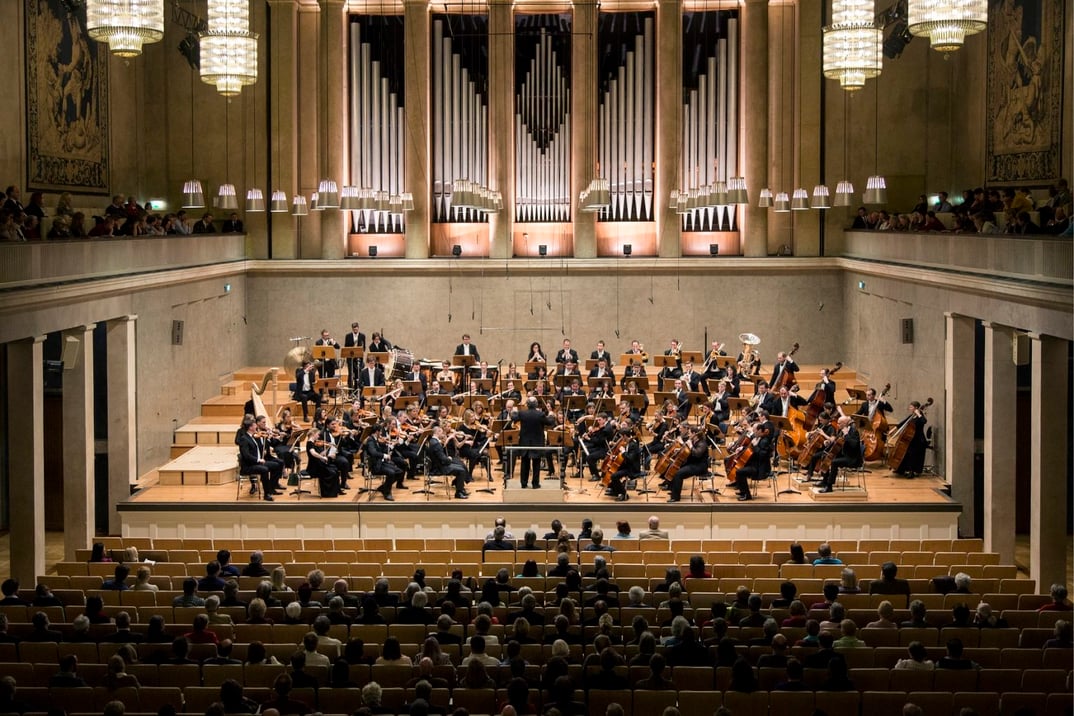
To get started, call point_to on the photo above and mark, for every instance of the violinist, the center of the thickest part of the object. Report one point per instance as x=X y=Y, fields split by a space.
x=342 y=458
x=784 y=364
x=849 y=455
x=759 y=464
x=285 y=428
x=536 y=354
x=405 y=453
x=696 y=465
x=872 y=404
x=630 y=465
x=352 y=419
x=595 y=444
x=378 y=452
x=470 y=440
x=626 y=413
x=305 y=387
x=532 y=422
x=252 y=461
x=441 y=464
x=320 y=461
x=913 y=462
x=267 y=442
x=326 y=339
x=320 y=419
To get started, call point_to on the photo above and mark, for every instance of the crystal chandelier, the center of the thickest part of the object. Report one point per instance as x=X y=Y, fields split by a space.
x=125 y=25
x=852 y=44
x=946 y=22
x=228 y=48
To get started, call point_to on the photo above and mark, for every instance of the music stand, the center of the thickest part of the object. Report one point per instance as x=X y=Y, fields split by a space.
x=412 y=387
x=663 y=361
x=862 y=422
x=297 y=436
x=697 y=398
x=713 y=384
x=463 y=362
x=353 y=356
x=642 y=381
x=479 y=385
x=561 y=381
x=856 y=393
x=510 y=437
x=561 y=439
x=533 y=365
x=692 y=356
x=738 y=405
x=636 y=401
x=660 y=397
x=380 y=358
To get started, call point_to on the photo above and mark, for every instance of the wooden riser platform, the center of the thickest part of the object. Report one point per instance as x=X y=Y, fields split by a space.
x=201 y=466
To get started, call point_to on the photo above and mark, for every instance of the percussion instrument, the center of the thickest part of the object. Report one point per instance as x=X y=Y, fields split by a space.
x=400 y=365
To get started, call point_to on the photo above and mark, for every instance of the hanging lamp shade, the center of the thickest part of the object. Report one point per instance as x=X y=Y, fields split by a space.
x=255 y=201
x=278 y=203
x=348 y=198
x=408 y=201
x=327 y=194
x=720 y=194
x=876 y=190
x=736 y=191
x=946 y=22
x=225 y=197
x=821 y=197
x=800 y=200
x=844 y=193
x=782 y=203
x=193 y=195
x=125 y=25
x=314 y=203
x=765 y=201
x=300 y=207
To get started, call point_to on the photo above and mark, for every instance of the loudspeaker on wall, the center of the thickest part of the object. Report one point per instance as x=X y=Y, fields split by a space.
x=177 y=333
x=907 y=330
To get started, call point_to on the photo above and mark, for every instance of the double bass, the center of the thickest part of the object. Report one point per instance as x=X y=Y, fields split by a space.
x=816 y=400
x=786 y=377
x=899 y=441
x=872 y=438
x=791 y=441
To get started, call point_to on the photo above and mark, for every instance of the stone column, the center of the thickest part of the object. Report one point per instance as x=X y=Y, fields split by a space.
x=26 y=462
x=584 y=124
x=333 y=226
x=308 y=133
x=1050 y=435
x=753 y=221
x=122 y=415
x=959 y=370
x=1000 y=387
x=78 y=452
x=668 y=126
x=501 y=99
x=416 y=79
x=809 y=129
x=283 y=92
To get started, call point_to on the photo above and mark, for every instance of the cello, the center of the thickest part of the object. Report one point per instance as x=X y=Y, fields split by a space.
x=614 y=459
x=899 y=441
x=872 y=438
x=786 y=377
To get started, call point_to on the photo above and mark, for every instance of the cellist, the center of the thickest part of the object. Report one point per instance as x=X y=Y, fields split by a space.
x=697 y=463
x=759 y=464
x=630 y=464
x=850 y=455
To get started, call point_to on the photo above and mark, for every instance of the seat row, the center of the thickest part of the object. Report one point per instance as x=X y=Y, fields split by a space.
x=694 y=546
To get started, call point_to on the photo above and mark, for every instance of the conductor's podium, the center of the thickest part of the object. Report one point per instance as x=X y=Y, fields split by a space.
x=202 y=465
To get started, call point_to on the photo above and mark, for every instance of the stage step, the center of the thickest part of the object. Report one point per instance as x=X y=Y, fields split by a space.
x=207 y=433
x=851 y=494
x=202 y=465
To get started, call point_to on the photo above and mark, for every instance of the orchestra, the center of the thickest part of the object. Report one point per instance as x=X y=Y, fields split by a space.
x=399 y=416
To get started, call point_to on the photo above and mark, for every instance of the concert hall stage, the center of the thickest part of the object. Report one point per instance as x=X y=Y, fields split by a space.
x=893 y=508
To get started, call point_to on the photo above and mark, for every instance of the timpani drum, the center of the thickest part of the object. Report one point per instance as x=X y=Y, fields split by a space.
x=400 y=365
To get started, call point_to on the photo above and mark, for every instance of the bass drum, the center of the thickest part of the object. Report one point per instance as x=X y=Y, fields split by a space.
x=400 y=365
x=295 y=358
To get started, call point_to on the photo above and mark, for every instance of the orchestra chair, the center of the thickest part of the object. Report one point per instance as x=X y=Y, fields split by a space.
x=930 y=448
x=430 y=482
x=368 y=475
x=255 y=483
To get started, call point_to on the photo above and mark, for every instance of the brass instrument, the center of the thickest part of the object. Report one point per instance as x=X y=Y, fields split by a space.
x=712 y=356
x=750 y=363
x=644 y=355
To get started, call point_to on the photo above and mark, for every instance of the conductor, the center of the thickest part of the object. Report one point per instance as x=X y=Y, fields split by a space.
x=532 y=422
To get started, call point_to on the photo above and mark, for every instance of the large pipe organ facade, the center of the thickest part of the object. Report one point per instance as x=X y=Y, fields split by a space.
x=641 y=124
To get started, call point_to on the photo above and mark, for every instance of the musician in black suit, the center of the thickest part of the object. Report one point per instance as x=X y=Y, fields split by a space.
x=341 y=450
x=481 y=371
x=378 y=344
x=633 y=371
x=691 y=379
x=601 y=354
x=320 y=464
x=466 y=348
x=354 y=339
x=827 y=385
x=872 y=404
x=784 y=364
x=630 y=466
x=442 y=464
x=760 y=462
x=696 y=465
x=267 y=447
x=849 y=455
x=416 y=376
x=913 y=461
x=251 y=460
x=372 y=375
x=765 y=399
x=532 y=422
x=566 y=353
x=601 y=369
x=786 y=401
x=672 y=371
x=378 y=453
x=330 y=365
x=596 y=444
x=682 y=399
x=305 y=388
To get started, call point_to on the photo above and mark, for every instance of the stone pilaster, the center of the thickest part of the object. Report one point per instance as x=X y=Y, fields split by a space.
x=501 y=120
x=668 y=126
x=1000 y=387
x=78 y=452
x=26 y=461
x=753 y=221
x=959 y=370
x=1050 y=432
x=122 y=414
x=416 y=78
x=584 y=124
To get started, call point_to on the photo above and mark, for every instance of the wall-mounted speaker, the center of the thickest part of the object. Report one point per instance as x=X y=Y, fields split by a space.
x=177 y=333
x=907 y=330
x=71 y=351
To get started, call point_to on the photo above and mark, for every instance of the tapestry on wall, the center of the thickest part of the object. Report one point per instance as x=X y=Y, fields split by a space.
x=66 y=101
x=1025 y=90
